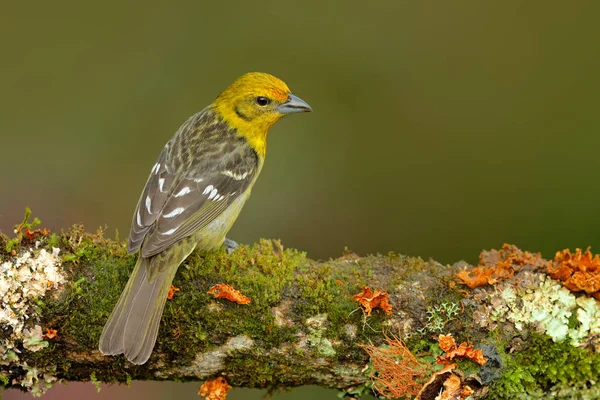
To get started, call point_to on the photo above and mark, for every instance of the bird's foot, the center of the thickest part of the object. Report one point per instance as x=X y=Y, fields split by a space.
x=230 y=245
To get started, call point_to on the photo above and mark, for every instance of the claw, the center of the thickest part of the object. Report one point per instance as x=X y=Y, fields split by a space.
x=230 y=245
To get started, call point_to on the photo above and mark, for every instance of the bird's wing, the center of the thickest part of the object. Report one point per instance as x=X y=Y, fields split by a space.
x=194 y=203
x=177 y=202
x=151 y=202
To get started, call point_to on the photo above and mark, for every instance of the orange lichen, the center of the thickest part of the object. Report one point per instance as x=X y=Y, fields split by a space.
x=223 y=291
x=172 y=291
x=466 y=392
x=370 y=300
x=498 y=264
x=446 y=342
x=477 y=276
x=339 y=282
x=578 y=272
x=51 y=333
x=394 y=369
x=215 y=390
x=31 y=234
x=448 y=345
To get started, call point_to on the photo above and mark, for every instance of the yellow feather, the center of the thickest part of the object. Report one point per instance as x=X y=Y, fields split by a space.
x=236 y=105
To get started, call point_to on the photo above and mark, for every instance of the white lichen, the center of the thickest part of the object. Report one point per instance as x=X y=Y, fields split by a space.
x=23 y=281
x=550 y=307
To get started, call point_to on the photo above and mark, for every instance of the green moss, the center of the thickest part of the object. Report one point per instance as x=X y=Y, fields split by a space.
x=13 y=244
x=466 y=366
x=262 y=272
x=95 y=382
x=99 y=276
x=324 y=292
x=544 y=365
x=267 y=370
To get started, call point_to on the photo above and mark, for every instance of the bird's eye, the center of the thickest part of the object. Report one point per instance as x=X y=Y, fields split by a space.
x=262 y=101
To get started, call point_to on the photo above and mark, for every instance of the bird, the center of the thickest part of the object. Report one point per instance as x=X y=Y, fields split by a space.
x=193 y=195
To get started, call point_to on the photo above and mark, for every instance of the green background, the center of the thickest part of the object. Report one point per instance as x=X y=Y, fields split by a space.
x=439 y=128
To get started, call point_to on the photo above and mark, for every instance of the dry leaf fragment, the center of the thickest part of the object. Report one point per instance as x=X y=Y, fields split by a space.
x=215 y=390
x=452 y=388
x=223 y=291
x=432 y=389
x=172 y=291
x=370 y=300
x=446 y=385
x=51 y=333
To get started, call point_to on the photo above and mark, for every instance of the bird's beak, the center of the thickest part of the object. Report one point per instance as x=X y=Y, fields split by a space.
x=293 y=105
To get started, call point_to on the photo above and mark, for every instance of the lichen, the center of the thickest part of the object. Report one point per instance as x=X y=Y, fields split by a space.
x=316 y=337
x=438 y=316
x=547 y=305
x=37 y=380
x=579 y=271
x=33 y=339
x=25 y=279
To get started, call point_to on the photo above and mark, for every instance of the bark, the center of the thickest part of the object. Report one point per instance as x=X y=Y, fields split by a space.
x=302 y=326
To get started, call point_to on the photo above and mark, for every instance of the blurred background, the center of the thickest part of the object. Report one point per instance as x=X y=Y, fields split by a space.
x=439 y=128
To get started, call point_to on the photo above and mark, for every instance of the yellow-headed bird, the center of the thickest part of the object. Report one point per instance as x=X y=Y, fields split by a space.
x=195 y=191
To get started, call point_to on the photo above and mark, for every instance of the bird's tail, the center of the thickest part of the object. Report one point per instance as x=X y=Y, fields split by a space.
x=133 y=324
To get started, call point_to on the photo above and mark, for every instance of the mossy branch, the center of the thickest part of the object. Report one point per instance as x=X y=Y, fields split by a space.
x=301 y=327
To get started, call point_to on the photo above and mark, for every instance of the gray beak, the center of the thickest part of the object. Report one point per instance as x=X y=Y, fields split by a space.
x=294 y=105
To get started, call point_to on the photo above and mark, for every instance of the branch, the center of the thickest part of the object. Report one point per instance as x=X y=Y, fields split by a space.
x=302 y=326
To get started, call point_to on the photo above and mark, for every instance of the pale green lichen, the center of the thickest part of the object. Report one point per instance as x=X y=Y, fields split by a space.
x=33 y=339
x=316 y=337
x=550 y=307
x=438 y=316
x=37 y=381
x=323 y=345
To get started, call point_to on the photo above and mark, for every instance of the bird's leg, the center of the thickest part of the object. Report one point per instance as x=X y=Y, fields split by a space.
x=230 y=245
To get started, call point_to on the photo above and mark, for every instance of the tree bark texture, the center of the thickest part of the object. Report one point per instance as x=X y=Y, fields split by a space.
x=303 y=324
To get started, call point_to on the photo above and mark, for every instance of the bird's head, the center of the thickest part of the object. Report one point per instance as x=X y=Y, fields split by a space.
x=257 y=100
